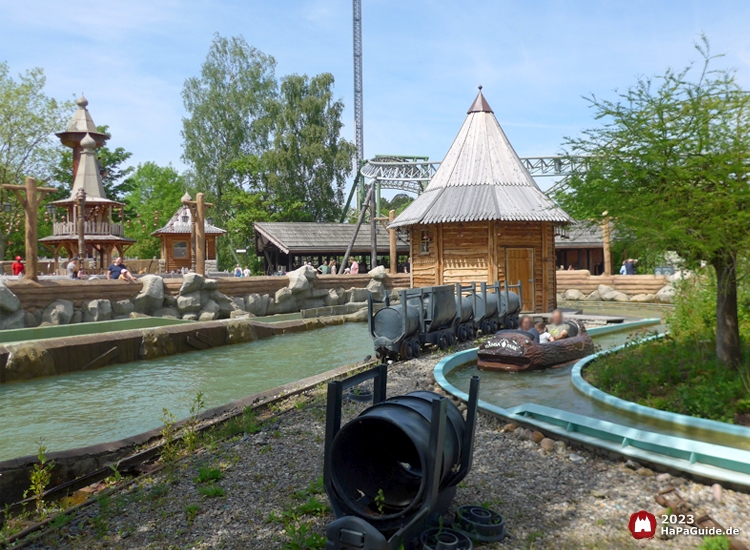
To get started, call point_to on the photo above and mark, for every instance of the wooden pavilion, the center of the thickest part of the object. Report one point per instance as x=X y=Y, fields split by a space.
x=483 y=218
x=88 y=229
x=178 y=242
x=286 y=245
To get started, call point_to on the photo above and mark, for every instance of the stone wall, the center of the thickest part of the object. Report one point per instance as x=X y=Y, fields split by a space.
x=193 y=297
x=580 y=285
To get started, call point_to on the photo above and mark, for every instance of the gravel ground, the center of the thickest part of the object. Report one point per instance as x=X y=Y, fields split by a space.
x=272 y=490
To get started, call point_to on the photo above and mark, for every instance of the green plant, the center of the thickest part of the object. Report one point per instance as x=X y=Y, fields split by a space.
x=158 y=491
x=211 y=491
x=247 y=422
x=169 y=451
x=208 y=475
x=190 y=436
x=191 y=510
x=41 y=475
x=715 y=543
x=301 y=537
x=116 y=475
x=379 y=501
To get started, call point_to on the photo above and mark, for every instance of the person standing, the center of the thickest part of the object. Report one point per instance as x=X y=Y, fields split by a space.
x=246 y=272
x=353 y=267
x=72 y=268
x=237 y=271
x=332 y=267
x=630 y=266
x=323 y=268
x=18 y=267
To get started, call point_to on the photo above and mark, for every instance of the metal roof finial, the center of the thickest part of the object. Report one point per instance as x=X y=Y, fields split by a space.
x=480 y=87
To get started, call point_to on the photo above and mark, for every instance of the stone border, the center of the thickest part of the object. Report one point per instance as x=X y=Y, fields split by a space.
x=596 y=394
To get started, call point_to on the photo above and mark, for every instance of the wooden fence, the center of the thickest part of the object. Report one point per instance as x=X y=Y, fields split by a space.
x=581 y=279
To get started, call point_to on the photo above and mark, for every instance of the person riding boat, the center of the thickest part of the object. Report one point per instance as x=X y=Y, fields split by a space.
x=526 y=324
x=558 y=328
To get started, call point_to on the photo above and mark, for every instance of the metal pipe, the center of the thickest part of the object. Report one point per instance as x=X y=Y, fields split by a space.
x=356 y=232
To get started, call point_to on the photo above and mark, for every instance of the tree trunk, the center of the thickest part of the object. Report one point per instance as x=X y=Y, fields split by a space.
x=728 y=349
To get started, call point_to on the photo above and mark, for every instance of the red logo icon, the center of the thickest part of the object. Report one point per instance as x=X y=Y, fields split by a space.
x=642 y=525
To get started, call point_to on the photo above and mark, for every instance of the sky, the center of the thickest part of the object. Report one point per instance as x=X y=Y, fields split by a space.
x=423 y=60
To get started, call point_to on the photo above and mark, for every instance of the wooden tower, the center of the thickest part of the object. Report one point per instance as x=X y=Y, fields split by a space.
x=88 y=228
x=483 y=218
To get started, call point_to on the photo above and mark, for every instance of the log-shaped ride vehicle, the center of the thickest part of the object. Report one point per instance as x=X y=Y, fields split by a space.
x=515 y=350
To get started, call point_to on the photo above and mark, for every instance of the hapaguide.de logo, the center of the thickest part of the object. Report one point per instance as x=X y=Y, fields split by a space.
x=642 y=525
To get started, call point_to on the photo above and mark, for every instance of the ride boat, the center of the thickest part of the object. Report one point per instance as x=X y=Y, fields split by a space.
x=516 y=350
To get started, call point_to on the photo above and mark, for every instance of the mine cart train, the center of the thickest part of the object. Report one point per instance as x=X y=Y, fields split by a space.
x=441 y=315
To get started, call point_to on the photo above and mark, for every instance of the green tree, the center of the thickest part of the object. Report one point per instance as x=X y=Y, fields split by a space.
x=112 y=163
x=28 y=117
x=309 y=161
x=154 y=197
x=670 y=165
x=227 y=115
x=398 y=202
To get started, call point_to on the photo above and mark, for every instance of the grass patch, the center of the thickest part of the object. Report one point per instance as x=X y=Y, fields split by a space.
x=211 y=491
x=208 y=475
x=678 y=376
x=247 y=422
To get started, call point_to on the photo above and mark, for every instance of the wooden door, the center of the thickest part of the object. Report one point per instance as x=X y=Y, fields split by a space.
x=519 y=266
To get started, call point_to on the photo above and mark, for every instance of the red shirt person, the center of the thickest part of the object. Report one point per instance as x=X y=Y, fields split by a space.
x=18 y=266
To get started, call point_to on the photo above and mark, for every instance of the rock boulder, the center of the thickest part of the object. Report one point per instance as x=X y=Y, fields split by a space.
x=188 y=303
x=167 y=312
x=151 y=296
x=122 y=307
x=299 y=282
x=192 y=282
x=17 y=319
x=378 y=273
x=573 y=294
x=377 y=289
x=97 y=310
x=666 y=294
x=58 y=312
x=9 y=302
x=257 y=304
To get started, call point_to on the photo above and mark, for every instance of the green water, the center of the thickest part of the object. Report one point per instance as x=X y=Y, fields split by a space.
x=81 y=329
x=84 y=408
x=553 y=388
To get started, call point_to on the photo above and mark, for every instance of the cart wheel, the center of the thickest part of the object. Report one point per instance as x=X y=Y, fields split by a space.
x=415 y=348
x=406 y=351
x=452 y=339
x=493 y=327
x=443 y=342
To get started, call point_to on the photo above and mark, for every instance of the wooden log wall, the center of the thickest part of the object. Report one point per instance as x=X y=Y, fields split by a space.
x=424 y=265
x=465 y=253
x=40 y=295
x=43 y=293
x=582 y=280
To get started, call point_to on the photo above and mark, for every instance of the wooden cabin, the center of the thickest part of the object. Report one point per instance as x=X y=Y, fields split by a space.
x=178 y=242
x=483 y=218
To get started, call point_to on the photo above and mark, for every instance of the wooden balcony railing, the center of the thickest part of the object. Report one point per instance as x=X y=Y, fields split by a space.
x=61 y=229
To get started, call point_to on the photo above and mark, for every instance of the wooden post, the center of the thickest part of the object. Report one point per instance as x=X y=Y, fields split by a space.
x=29 y=196
x=606 y=245
x=392 y=249
x=198 y=229
x=200 y=234
x=374 y=228
x=81 y=225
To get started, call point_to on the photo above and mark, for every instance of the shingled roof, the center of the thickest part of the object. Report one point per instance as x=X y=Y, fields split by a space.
x=481 y=178
x=320 y=238
x=177 y=226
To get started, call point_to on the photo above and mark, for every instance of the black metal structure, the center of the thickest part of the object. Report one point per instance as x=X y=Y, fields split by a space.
x=441 y=316
x=394 y=469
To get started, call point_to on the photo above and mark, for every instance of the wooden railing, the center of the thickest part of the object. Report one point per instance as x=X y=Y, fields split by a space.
x=90 y=228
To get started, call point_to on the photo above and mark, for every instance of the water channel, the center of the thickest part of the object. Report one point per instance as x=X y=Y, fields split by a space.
x=85 y=408
x=553 y=388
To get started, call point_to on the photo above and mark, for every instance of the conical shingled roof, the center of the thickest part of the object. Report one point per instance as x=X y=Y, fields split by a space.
x=176 y=225
x=481 y=178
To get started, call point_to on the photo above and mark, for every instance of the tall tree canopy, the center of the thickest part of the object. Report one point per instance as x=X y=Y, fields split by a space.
x=227 y=114
x=28 y=118
x=259 y=150
x=670 y=166
x=112 y=163
x=154 y=197
x=308 y=161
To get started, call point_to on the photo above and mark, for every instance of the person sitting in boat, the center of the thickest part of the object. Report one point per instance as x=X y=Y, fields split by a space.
x=558 y=328
x=526 y=324
x=544 y=336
